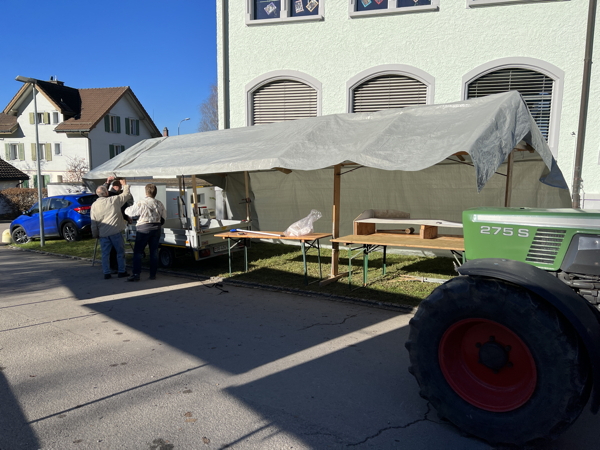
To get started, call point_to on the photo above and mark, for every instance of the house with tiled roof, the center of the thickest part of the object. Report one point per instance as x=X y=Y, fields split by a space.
x=10 y=176
x=89 y=125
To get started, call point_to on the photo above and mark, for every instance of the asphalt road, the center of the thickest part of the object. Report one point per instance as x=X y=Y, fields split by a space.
x=88 y=363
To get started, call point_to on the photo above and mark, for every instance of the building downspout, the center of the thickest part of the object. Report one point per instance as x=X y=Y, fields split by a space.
x=225 y=79
x=89 y=146
x=585 y=96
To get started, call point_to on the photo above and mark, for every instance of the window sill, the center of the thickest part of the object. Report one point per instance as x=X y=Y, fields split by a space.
x=315 y=18
x=394 y=11
x=476 y=3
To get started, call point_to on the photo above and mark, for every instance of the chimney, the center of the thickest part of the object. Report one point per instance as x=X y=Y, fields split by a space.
x=54 y=80
x=165 y=132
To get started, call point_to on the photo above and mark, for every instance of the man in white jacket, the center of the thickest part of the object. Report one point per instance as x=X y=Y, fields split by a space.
x=108 y=224
x=151 y=215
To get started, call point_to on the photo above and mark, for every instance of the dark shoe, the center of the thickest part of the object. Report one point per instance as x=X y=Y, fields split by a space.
x=152 y=277
x=107 y=276
x=114 y=271
x=123 y=274
x=133 y=278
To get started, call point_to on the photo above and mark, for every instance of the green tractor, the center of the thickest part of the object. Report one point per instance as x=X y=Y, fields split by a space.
x=509 y=350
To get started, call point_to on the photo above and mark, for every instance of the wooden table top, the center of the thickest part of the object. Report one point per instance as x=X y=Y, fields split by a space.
x=272 y=235
x=404 y=240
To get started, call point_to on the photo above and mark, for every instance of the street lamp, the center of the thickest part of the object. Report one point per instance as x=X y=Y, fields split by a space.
x=33 y=82
x=182 y=120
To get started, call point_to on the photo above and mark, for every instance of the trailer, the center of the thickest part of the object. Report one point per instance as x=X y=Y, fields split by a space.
x=191 y=222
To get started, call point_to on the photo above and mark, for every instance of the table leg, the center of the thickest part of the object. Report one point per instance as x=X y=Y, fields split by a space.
x=229 y=253
x=246 y=254
x=304 y=261
x=319 y=259
x=365 y=264
x=350 y=266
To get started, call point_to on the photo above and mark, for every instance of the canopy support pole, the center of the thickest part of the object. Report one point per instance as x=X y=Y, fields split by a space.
x=335 y=232
x=247 y=190
x=335 y=247
x=509 y=173
x=195 y=204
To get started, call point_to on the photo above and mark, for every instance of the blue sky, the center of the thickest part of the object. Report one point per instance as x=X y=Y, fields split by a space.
x=164 y=50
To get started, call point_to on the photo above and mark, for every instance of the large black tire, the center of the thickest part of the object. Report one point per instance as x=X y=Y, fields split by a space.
x=70 y=232
x=498 y=361
x=166 y=257
x=19 y=236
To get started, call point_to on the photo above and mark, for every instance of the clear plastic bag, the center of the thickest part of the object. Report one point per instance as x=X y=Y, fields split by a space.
x=303 y=226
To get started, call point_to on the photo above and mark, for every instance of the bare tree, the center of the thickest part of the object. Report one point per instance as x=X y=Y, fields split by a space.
x=209 y=111
x=76 y=168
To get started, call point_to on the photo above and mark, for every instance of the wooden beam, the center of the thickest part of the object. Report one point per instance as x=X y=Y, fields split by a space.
x=335 y=246
x=247 y=199
x=195 y=204
x=509 y=172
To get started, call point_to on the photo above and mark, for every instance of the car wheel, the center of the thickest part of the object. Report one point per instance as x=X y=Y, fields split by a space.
x=491 y=356
x=70 y=232
x=166 y=257
x=19 y=236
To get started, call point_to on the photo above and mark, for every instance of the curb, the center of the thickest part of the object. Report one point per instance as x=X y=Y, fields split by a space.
x=407 y=309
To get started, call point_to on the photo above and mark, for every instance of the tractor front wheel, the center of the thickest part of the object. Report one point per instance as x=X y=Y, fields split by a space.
x=498 y=361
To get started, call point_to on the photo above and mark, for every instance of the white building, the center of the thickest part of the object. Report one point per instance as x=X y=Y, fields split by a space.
x=287 y=59
x=75 y=126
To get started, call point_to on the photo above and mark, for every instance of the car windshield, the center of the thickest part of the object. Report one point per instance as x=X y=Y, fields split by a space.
x=87 y=200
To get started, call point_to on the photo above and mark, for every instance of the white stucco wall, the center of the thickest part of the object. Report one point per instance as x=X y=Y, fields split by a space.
x=447 y=45
x=101 y=139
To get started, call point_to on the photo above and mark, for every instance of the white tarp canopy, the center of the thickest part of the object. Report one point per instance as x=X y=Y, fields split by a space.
x=408 y=139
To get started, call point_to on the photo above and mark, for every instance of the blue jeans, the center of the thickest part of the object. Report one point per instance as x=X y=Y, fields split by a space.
x=143 y=238
x=108 y=242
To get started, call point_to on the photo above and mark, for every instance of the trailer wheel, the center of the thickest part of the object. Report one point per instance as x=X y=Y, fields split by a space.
x=166 y=256
x=498 y=361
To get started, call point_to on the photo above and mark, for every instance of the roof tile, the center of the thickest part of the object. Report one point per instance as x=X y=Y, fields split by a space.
x=8 y=172
x=8 y=123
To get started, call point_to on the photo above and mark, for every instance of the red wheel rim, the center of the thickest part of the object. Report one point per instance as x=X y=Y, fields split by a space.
x=487 y=365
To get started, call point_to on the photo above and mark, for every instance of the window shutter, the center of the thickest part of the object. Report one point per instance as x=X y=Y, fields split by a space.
x=32 y=118
x=46 y=117
x=26 y=184
x=107 y=123
x=137 y=127
x=46 y=180
x=21 y=151
x=127 y=130
x=48 y=148
x=118 y=119
x=283 y=100
x=388 y=91
x=111 y=151
x=35 y=181
x=536 y=89
x=33 y=152
x=7 y=152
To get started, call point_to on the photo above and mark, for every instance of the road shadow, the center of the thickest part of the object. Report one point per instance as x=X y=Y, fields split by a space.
x=16 y=433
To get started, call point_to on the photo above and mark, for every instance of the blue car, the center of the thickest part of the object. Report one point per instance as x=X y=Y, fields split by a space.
x=66 y=216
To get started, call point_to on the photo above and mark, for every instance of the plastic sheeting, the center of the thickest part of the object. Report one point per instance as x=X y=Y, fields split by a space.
x=409 y=139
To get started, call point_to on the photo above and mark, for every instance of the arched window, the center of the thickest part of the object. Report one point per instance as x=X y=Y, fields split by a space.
x=281 y=100
x=388 y=91
x=536 y=88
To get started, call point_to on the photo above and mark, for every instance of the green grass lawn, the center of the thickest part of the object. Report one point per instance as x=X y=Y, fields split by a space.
x=281 y=266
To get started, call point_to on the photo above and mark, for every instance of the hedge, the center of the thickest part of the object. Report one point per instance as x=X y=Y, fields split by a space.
x=18 y=200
